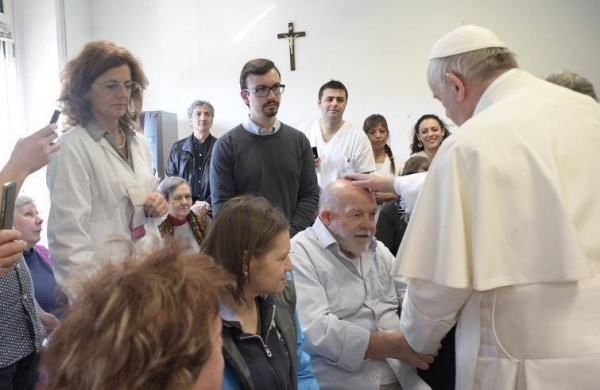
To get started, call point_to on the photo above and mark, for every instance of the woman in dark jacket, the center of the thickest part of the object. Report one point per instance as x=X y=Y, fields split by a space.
x=262 y=341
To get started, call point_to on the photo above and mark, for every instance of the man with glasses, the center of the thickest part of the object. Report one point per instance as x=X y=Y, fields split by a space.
x=340 y=144
x=264 y=156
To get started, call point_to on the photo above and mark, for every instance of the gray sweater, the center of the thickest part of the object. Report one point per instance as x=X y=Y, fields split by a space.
x=278 y=166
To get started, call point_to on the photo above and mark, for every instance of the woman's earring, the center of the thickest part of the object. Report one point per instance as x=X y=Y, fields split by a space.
x=245 y=274
x=420 y=144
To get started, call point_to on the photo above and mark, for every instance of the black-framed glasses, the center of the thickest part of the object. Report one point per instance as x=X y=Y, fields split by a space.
x=262 y=91
x=113 y=86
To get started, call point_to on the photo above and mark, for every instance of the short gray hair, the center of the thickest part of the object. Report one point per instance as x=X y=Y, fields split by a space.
x=473 y=66
x=200 y=103
x=333 y=193
x=23 y=200
x=169 y=185
x=573 y=81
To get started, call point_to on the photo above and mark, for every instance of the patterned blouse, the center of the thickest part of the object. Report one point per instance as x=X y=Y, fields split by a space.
x=21 y=331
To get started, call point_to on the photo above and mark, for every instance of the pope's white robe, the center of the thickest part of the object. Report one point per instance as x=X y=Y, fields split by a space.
x=505 y=238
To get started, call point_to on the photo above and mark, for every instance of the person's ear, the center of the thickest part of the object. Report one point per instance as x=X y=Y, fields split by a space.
x=244 y=95
x=459 y=87
x=325 y=216
x=246 y=264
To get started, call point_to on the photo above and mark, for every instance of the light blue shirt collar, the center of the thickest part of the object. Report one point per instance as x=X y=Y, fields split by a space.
x=253 y=128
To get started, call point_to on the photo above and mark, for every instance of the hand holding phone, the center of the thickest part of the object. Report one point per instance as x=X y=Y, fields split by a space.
x=11 y=250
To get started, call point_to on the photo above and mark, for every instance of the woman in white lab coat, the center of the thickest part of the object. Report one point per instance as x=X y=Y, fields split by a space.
x=101 y=182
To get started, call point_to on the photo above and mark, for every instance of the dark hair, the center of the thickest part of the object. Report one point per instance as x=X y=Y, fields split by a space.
x=143 y=323
x=80 y=73
x=370 y=123
x=415 y=163
x=245 y=226
x=258 y=66
x=414 y=146
x=200 y=103
x=332 y=84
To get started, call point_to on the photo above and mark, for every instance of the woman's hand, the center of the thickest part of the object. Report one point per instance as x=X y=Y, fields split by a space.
x=48 y=320
x=155 y=205
x=30 y=154
x=11 y=250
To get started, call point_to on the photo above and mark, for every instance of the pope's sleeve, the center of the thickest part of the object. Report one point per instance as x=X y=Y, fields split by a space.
x=70 y=212
x=409 y=187
x=342 y=343
x=429 y=311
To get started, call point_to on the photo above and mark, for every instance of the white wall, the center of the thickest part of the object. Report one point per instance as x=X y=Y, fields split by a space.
x=194 y=49
x=378 y=49
x=37 y=70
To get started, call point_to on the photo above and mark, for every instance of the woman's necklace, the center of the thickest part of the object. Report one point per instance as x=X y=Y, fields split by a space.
x=124 y=138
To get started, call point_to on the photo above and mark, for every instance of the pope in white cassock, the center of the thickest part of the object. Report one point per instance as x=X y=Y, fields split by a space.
x=505 y=234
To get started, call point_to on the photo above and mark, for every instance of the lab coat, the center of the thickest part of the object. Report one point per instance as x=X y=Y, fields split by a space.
x=88 y=182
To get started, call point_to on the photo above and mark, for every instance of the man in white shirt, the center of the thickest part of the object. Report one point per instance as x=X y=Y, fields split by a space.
x=504 y=235
x=339 y=143
x=347 y=302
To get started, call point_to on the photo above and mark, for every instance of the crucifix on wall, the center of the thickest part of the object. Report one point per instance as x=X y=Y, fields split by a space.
x=291 y=37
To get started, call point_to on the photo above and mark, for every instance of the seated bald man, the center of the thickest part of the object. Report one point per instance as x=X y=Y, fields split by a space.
x=347 y=302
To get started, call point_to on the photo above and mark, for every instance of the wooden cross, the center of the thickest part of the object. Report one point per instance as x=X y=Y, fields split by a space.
x=291 y=37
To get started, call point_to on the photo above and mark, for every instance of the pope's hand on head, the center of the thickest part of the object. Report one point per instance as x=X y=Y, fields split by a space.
x=375 y=183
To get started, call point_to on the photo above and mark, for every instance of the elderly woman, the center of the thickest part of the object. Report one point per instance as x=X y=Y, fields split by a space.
x=101 y=181
x=29 y=223
x=428 y=134
x=182 y=222
x=146 y=323
x=262 y=341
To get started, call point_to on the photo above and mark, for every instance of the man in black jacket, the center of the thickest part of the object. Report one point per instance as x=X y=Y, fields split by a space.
x=190 y=157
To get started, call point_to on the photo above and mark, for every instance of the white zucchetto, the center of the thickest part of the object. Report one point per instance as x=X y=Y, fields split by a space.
x=464 y=39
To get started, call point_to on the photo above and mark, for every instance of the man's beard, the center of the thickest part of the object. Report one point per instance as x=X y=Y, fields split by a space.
x=271 y=111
